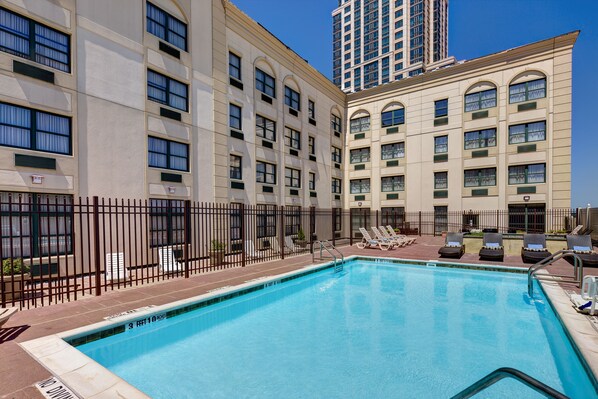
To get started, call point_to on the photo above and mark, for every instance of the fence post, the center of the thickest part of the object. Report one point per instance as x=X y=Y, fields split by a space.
x=242 y=217
x=420 y=223
x=333 y=225
x=377 y=218
x=96 y=241
x=186 y=239
x=282 y=243
x=312 y=228
x=497 y=221
x=351 y=226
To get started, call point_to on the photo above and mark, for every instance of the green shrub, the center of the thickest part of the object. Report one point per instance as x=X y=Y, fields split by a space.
x=218 y=245
x=301 y=235
x=15 y=267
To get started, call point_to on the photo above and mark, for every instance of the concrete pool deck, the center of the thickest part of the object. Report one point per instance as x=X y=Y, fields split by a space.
x=19 y=371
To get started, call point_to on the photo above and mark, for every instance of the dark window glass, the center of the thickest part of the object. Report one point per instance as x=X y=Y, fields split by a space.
x=167 y=154
x=480 y=100
x=265 y=128
x=265 y=173
x=392 y=118
x=480 y=139
x=393 y=183
x=292 y=98
x=166 y=27
x=360 y=155
x=311 y=109
x=440 y=108
x=22 y=127
x=167 y=91
x=335 y=123
x=236 y=167
x=28 y=39
x=336 y=186
x=360 y=186
x=235 y=222
x=527 y=91
x=527 y=174
x=527 y=132
x=265 y=83
x=312 y=181
x=360 y=124
x=167 y=224
x=480 y=177
x=266 y=221
x=393 y=151
x=234 y=66
x=336 y=155
x=440 y=144
x=235 y=118
x=311 y=143
x=292 y=138
x=440 y=180
x=292 y=178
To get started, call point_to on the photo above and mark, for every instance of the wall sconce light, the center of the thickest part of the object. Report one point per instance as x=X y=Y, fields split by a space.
x=37 y=179
x=359 y=203
x=171 y=189
x=526 y=198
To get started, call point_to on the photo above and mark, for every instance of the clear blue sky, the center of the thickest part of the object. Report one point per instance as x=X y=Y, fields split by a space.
x=476 y=28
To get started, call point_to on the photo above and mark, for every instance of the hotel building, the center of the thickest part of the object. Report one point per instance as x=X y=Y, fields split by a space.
x=378 y=41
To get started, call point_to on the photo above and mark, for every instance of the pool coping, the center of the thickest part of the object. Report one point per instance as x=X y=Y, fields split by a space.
x=88 y=379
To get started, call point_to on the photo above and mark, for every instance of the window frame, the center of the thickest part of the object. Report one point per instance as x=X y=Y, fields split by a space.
x=311 y=109
x=292 y=138
x=336 y=123
x=400 y=118
x=266 y=220
x=292 y=98
x=480 y=177
x=167 y=154
x=336 y=185
x=267 y=82
x=480 y=139
x=32 y=53
x=167 y=91
x=261 y=131
x=168 y=18
x=363 y=123
x=336 y=154
x=360 y=155
x=397 y=183
x=235 y=172
x=235 y=121
x=384 y=151
x=232 y=67
x=171 y=209
x=311 y=182
x=439 y=182
x=440 y=110
x=479 y=101
x=527 y=90
x=311 y=145
x=359 y=184
x=292 y=177
x=437 y=145
x=526 y=174
x=269 y=171
x=526 y=132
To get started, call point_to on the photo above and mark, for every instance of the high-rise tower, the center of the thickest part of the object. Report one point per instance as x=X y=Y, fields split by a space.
x=377 y=41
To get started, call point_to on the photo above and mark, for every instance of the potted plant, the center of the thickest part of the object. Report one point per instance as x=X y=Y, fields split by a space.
x=14 y=272
x=217 y=253
x=300 y=241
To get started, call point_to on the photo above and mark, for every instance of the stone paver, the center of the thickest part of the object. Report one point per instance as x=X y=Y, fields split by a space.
x=18 y=371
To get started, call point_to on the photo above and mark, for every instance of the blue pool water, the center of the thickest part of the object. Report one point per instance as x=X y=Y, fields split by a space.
x=376 y=330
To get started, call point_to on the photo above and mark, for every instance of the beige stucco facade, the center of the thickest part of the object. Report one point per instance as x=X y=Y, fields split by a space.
x=105 y=96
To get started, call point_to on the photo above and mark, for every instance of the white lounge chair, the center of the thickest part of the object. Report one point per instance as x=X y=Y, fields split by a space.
x=5 y=314
x=290 y=245
x=380 y=237
x=115 y=267
x=399 y=242
x=275 y=245
x=391 y=231
x=250 y=251
x=368 y=242
x=168 y=262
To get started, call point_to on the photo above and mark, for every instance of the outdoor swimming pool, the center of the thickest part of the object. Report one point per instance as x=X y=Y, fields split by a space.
x=375 y=330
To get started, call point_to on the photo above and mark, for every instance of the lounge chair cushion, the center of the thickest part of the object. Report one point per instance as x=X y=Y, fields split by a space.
x=453 y=244
x=492 y=245
x=535 y=247
x=582 y=249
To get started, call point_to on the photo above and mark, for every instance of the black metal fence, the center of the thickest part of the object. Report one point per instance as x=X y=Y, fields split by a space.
x=57 y=249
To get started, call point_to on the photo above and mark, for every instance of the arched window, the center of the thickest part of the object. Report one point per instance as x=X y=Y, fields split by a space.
x=393 y=115
x=480 y=96
x=528 y=86
x=360 y=122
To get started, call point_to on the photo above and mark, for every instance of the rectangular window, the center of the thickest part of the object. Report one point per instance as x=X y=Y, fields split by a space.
x=527 y=91
x=336 y=155
x=336 y=185
x=292 y=98
x=527 y=132
x=266 y=221
x=480 y=139
x=360 y=186
x=265 y=83
x=28 y=39
x=480 y=100
x=167 y=222
x=393 y=216
x=234 y=66
x=234 y=117
x=440 y=219
x=480 y=177
x=265 y=173
x=440 y=180
x=265 y=128
x=360 y=124
x=292 y=220
x=393 y=183
x=34 y=225
x=393 y=151
x=167 y=154
x=393 y=118
x=440 y=108
x=292 y=138
x=440 y=144
x=360 y=155
x=312 y=181
x=335 y=123
x=236 y=167
x=292 y=178
x=527 y=174
x=166 y=27
x=167 y=91
x=311 y=145
x=311 y=109
x=235 y=221
x=22 y=127
x=338 y=219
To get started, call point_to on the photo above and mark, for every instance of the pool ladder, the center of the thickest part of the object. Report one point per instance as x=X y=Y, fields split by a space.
x=507 y=372
x=564 y=253
x=326 y=246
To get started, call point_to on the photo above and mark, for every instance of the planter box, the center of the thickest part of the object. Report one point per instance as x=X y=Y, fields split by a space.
x=13 y=290
x=216 y=258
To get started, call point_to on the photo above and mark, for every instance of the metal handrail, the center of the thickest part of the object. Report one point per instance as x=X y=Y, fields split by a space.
x=326 y=242
x=507 y=372
x=322 y=245
x=564 y=253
